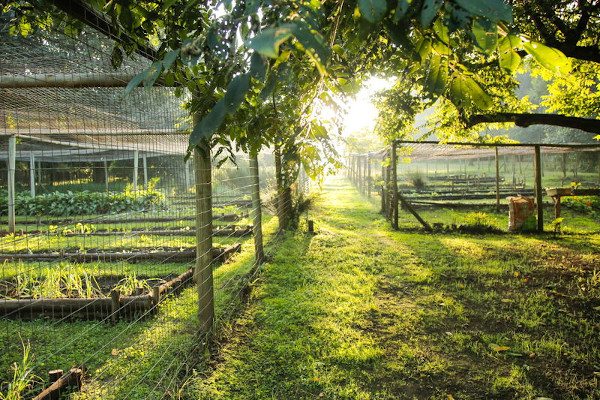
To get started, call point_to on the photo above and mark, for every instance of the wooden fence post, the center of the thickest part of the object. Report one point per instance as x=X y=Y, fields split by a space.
x=12 y=156
x=257 y=212
x=203 y=275
x=394 y=187
x=369 y=182
x=383 y=188
x=538 y=188
x=358 y=173
x=32 y=174
x=145 y=168
x=136 y=155
x=497 y=180
x=106 y=175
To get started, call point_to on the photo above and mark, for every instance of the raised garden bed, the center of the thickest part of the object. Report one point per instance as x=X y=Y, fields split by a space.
x=227 y=231
x=109 y=308
x=100 y=220
x=165 y=254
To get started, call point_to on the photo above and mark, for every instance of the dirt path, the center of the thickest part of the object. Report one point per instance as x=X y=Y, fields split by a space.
x=360 y=312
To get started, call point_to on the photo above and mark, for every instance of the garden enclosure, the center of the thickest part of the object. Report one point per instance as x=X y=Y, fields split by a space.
x=112 y=243
x=470 y=178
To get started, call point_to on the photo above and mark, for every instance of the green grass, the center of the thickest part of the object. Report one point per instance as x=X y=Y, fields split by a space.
x=362 y=312
x=139 y=359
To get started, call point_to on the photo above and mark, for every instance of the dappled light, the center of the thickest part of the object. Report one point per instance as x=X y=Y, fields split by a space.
x=292 y=199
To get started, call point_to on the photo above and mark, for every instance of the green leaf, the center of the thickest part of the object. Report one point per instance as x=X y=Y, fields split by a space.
x=548 y=57
x=169 y=59
x=441 y=31
x=401 y=10
x=464 y=89
x=116 y=57
x=436 y=79
x=494 y=10
x=509 y=42
x=135 y=81
x=486 y=35
x=311 y=39
x=209 y=124
x=269 y=87
x=429 y=11
x=153 y=73
x=236 y=91
x=372 y=10
x=268 y=41
x=510 y=61
x=423 y=48
x=258 y=67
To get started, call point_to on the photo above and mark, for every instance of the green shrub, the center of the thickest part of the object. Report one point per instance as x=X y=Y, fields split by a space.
x=81 y=203
x=584 y=204
x=418 y=181
x=478 y=219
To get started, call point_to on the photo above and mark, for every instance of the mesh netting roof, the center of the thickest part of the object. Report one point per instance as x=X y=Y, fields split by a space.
x=435 y=151
x=54 y=121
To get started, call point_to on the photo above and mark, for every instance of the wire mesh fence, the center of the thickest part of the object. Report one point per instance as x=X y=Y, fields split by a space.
x=466 y=184
x=108 y=263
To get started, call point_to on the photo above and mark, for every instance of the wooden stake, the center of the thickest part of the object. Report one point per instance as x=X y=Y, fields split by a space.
x=406 y=205
x=538 y=188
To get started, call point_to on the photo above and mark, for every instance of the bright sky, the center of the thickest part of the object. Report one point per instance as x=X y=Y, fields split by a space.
x=362 y=113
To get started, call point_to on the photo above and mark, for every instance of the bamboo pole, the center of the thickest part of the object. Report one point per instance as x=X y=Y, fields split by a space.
x=203 y=273
x=538 y=189
x=12 y=155
x=256 y=211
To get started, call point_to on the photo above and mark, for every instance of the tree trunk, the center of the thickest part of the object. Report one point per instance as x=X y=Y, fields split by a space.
x=281 y=192
x=203 y=272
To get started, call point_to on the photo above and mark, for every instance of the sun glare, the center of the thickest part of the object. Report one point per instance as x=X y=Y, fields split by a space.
x=361 y=113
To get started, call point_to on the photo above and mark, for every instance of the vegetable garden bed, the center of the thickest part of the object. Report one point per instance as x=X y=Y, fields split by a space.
x=225 y=231
x=162 y=255
x=112 y=307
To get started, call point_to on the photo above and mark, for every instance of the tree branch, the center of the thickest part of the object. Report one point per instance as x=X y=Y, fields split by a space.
x=524 y=120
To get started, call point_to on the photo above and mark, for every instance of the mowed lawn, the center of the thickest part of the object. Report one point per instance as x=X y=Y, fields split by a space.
x=359 y=311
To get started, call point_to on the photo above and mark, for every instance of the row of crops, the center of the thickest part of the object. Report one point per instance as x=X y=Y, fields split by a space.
x=86 y=272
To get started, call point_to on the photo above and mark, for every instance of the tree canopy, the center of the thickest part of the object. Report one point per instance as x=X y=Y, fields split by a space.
x=259 y=70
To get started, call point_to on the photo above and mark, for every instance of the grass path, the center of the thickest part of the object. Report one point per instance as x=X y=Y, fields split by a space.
x=361 y=312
